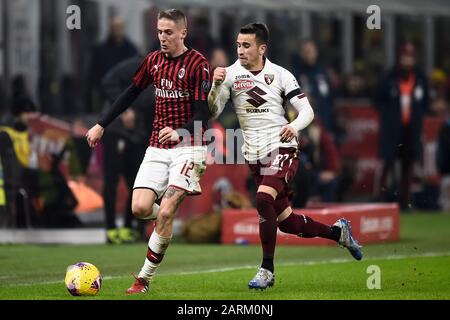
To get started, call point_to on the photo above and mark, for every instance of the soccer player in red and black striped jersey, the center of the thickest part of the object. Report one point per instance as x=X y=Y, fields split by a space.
x=175 y=159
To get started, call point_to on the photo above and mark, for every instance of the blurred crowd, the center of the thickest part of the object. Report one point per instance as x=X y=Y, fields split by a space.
x=402 y=96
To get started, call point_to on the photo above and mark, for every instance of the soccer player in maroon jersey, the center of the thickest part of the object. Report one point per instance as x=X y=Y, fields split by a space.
x=175 y=159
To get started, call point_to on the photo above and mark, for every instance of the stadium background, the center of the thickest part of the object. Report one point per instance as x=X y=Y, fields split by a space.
x=411 y=249
x=55 y=63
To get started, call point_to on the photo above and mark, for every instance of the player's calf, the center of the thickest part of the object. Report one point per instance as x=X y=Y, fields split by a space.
x=267 y=228
x=306 y=227
x=169 y=204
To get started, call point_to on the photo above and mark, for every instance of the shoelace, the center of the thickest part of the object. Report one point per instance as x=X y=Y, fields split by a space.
x=262 y=274
x=350 y=235
x=140 y=281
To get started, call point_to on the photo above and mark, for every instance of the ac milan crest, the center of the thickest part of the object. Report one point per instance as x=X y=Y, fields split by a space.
x=269 y=78
x=181 y=72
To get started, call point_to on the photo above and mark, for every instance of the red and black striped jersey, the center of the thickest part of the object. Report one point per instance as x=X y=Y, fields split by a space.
x=178 y=82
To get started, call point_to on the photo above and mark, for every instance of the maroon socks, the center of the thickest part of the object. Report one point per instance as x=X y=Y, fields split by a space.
x=305 y=227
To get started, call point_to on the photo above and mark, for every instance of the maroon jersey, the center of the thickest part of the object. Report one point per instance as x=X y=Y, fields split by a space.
x=178 y=82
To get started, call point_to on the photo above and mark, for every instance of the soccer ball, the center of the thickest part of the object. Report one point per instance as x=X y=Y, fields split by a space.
x=83 y=279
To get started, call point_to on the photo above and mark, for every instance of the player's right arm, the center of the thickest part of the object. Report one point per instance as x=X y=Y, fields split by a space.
x=127 y=97
x=141 y=80
x=220 y=93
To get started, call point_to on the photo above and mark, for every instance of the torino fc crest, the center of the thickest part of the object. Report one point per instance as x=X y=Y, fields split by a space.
x=269 y=78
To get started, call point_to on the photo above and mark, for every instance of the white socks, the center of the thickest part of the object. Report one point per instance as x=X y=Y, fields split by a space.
x=157 y=246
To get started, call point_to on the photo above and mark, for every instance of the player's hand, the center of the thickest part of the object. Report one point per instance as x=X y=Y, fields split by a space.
x=167 y=134
x=287 y=133
x=94 y=135
x=219 y=75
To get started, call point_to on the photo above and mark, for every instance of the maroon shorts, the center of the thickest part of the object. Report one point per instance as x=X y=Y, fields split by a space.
x=276 y=170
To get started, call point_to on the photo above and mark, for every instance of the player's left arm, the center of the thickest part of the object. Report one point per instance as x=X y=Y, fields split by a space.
x=201 y=85
x=300 y=102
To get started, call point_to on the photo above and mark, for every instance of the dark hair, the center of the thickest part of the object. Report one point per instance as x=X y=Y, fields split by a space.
x=260 y=31
x=174 y=15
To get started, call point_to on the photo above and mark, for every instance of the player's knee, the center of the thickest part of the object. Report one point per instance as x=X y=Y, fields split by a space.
x=141 y=211
x=282 y=207
x=264 y=200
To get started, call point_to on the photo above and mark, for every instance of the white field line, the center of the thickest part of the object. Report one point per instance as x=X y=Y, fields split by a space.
x=234 y=268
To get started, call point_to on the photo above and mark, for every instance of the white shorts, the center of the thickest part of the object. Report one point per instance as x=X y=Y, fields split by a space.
x=178 y=167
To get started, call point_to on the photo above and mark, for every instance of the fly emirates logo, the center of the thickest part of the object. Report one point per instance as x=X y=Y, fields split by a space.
x=167 y=90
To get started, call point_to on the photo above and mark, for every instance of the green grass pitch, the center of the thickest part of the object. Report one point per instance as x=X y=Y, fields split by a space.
x=416 y=267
